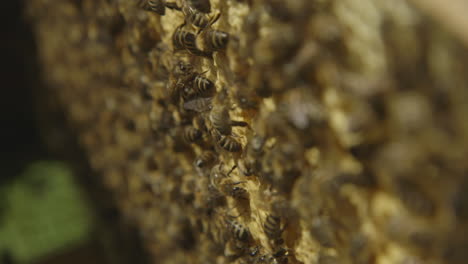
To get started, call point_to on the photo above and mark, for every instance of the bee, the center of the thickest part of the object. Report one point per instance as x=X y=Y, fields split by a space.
x=206 y=158
x=191 y=134
x=184 y=40
x=203 y=6
x=203 y=86
x=222 y=181
x=273 y=228
x=239 y=232
x=229 y=143
x=199 y=105
x=157 y=6
x=215 y=40
x=181 y=76
x=199 y=19
x=220 y=119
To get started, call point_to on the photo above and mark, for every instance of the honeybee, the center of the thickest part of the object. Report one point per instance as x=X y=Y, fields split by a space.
x=239 y=232
x=191 y=134
x=273 y=228
x=222 y=181
x=204 y=159
x=184 y=40
x=203 y=6
x=237 y=238
x=215 y=40
x=199 y=19
x=181 y=80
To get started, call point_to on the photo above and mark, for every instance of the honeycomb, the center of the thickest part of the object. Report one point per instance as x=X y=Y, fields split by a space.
x=268 y=131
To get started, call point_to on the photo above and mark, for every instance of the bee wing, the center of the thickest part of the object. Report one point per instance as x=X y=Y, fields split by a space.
x=199 y=104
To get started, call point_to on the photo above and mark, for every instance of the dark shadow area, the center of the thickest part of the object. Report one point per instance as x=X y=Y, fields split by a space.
x=19 y=134
x=25 y=138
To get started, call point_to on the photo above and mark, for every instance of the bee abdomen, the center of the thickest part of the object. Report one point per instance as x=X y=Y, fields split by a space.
x=177 y=40
x=192 y=134
x=204 y=86
x=187 y=40
x=240 y=232
x=198 y=19
x=230 y=144
x=216 y=40
x=221 y=120
x=272 y=226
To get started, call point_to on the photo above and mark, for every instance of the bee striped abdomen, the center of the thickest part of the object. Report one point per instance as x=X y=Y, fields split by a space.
x=239 y=232
x=185 y=40
x=192 y=134
x=216 y=40
x=272 y=227
x=204 y=86
x=230 y=144
x=198 y=19
x=177 y=40
x=221 y=120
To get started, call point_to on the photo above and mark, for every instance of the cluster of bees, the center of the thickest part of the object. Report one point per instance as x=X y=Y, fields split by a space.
x=196 y=15
x=225 y=151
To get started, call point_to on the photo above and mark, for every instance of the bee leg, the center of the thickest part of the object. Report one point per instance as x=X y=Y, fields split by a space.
x=214 y=19
x=173 y=5
x=239 y=123
x=232 y=169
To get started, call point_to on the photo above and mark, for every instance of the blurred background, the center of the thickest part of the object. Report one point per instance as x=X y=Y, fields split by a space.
x=45 y=216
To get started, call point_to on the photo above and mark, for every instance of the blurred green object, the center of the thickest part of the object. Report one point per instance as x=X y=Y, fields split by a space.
x=43 y=212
